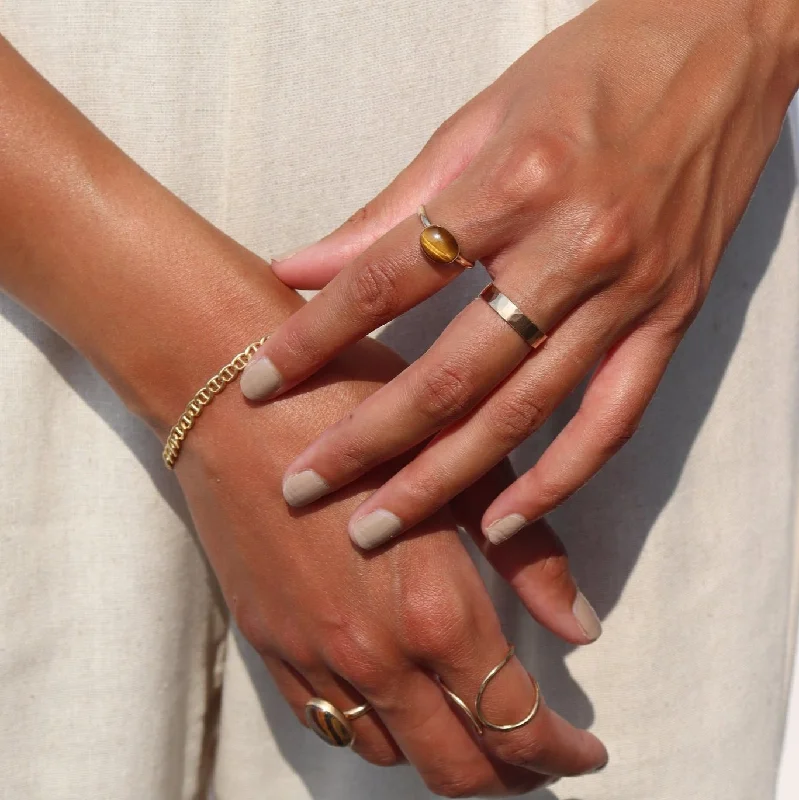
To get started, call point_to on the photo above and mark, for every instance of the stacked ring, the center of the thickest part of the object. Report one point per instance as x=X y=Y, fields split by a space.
x=439 y=244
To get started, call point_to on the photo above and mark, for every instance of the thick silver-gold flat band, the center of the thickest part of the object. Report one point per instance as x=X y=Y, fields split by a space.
x=513 y=315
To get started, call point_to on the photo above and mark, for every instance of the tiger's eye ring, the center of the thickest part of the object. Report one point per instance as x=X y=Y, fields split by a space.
x=331 y=725
x=439 y=244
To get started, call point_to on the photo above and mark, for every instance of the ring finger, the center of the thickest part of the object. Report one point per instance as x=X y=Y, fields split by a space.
x=444 y=384
x=458 y=456
x=389 y=278
x=435 y=739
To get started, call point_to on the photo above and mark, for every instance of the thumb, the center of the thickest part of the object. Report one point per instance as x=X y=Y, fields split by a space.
x=441 y=160
x=534 y=563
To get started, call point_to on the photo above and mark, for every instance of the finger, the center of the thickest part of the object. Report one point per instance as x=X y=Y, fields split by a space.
x=463 y=658
x=441 y=160
x=477 y=350
x=389 y=278
x=442 y=746
x=409 y=701
x=435 y=391
x=548 y=743
x=535 y=565
x=372 y=740
x=609 y=414
x=464 y=452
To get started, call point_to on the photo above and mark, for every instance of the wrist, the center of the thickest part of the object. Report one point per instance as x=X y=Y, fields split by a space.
x=187 y=334
x=755 y=42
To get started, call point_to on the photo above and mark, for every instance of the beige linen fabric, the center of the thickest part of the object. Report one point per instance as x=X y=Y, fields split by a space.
x=276 y=120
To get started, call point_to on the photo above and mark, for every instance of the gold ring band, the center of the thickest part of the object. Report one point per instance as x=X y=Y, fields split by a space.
x=478 y=703
x=439 y=244
x=478 y=728
x=513 y=315
x=477 y=719
x=332 y=725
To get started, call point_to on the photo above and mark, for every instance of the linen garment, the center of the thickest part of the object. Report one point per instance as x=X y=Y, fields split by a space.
x=119 y=679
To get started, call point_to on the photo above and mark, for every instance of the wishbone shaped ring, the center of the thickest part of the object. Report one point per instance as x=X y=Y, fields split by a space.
x=478 y=703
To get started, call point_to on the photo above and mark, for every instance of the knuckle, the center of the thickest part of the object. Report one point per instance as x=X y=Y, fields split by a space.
x=649 y=279
x=517 y=416
x=250 y=623
x=436 y=625
x=382 y=757
x=531 y=170
x=620 y=434
x=353 y=653
x=454 y=786
x=444 y=392
x=606 y=232
x=519 y=748
x=375 y=291
x=442 y=133
x=555 y=569
x=361 y=215
x=687 y=295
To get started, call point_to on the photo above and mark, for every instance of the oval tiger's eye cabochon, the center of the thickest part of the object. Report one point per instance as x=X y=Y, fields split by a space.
x=439 y=244
x=328 y=726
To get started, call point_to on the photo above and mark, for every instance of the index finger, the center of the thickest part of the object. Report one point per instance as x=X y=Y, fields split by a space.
x=389 y=278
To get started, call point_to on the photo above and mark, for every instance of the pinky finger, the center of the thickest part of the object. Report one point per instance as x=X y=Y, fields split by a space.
x=611 y=409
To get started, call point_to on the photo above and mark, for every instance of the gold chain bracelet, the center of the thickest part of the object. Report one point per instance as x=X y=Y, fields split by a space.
x=200 y=400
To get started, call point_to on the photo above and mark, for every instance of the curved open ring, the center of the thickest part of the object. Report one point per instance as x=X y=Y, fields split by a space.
x=439 y=244
x=332 y=725
x=478 y=728
x=513 y=315
x=478 y=703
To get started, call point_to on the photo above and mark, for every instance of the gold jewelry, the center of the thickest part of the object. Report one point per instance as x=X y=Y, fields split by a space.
x=478 y=703
x=200 y=400
x=513 y=315
x=478 y=728
x=439 y=244
x=330 y=724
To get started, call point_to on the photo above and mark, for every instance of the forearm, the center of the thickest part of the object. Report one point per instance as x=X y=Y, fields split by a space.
x=151 y=293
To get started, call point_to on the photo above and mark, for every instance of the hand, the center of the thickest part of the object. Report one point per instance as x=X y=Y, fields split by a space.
x=332 y=622
x=598 y=180
x=157 y=298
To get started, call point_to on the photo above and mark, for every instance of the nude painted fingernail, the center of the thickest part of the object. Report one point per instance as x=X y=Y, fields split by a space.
x=304 y=487
x=375 y=529
x=501 y=530
x=260 y=379
x=586 y=617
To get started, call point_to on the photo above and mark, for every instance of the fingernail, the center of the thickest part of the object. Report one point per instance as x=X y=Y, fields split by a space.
x=599 y=769
x=292 y=252
x=586 y=617
x=501 y=530
x=260 y=379
x=374 y=529
x=304 y=487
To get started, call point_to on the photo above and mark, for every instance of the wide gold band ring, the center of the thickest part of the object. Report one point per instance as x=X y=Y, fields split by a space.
x=478 y=719
x=513 y=315
x=439 y=244
x=332 y=725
